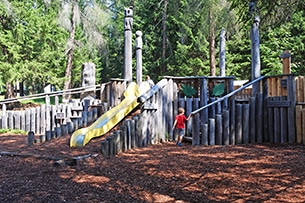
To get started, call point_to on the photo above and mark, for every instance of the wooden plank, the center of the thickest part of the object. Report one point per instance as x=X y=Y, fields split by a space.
x=271 y=125
x=278 y=87
x=298 y=119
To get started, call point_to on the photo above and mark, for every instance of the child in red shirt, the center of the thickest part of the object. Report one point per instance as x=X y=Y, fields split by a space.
x=180 y=125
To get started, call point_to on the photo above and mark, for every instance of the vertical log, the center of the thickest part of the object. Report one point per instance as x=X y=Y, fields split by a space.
x=4 y=117
x=139 y=45
x=127 y=73
x=259 y=118
x=42 y=118
x=33 y=119
x=212 y=131
x=232 y=121
x=283 y=123
x=37 y=127
x=189 y=109
x=226 y=127
x=105 y=148
x=299 y=123
x=110 y=145
x=170 y=115
x=27 y=120
x=265 y=119
x=196 y=123
x=276 y=121
x=245 y=123
x=48 y=114
x=291 y=110
x=31 y=138
x=132 y=134
x=239 y=125
x=271 y=124
x=204 y=100
x=303 y=125
x=252 y=116
x=123 y=138
x=204 y=134
x=10 y=118
x=17 y=120
x=219 y=130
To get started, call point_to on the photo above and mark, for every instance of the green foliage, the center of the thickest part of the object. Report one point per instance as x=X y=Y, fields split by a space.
x=12 y=131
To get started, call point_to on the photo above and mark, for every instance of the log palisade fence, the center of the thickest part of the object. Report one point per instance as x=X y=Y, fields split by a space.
x=275 y=114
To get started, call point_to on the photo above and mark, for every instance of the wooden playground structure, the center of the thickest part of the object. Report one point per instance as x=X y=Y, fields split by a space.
x=275 y=114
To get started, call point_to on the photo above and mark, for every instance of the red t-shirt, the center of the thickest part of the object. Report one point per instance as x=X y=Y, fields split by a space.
x=180 y=121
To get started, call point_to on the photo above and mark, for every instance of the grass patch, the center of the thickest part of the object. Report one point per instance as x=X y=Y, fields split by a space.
x=40 y=101
x=12 y=131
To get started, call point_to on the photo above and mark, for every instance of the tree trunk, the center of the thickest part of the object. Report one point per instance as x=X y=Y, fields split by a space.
x=9 y=91
x=68 y=74
x=212 y=46
x=164 y=35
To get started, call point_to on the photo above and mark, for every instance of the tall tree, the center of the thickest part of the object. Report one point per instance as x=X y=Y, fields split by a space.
x=90 y=18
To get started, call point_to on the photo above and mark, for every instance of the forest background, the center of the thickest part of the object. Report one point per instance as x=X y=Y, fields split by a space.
x=46 y=41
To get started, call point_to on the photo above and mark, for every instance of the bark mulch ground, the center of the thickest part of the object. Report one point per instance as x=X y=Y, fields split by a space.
x=158 y=173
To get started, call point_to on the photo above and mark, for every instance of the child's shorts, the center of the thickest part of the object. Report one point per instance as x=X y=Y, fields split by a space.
x=181 y=131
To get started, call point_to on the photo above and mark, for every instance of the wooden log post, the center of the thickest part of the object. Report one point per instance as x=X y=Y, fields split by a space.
x=252 y=124
x=31 y=138
x=226 y=127
x=4 y=117
x=139 y=45
x=222 y=53
x=245 y=123
x=38 y=121
x=286 y=60
x=195 y=125
x=219 y=129
x=255 y=48
x=105 y=148
x=239 y=125
x=232 y=121
x=10 y=119
x=170 y=90
x=212 y=131
x=27 y=120
x=128 y=20
x=123 y=139
x=110 y=145
x=258 y=119
x=204 y=134
x=291 y=88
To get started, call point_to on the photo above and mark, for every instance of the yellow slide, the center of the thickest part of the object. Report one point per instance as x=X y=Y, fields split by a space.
x=111 y=118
